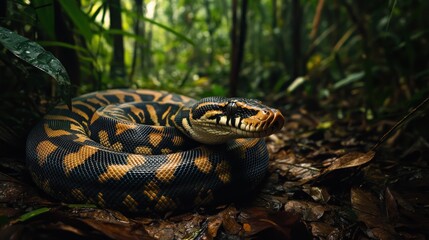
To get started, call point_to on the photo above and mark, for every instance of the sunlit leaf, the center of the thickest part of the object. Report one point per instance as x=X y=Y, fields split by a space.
x=170 y=30
x=163 y=26
x=125 y=33
x=295 y=84
x=351 y=78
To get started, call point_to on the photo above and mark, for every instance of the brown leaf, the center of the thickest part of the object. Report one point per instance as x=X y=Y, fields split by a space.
x=321 y=229
x=350 y=160
x=213 y=226
x=365 y=205
x=309 y=211
x=229 y=221
x=259 y=221
x=319 y=194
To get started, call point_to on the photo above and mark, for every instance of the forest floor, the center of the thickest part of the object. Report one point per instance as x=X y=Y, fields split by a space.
x=324 y=182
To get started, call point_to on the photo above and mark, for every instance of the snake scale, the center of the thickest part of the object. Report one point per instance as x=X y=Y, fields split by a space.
x=151 y=151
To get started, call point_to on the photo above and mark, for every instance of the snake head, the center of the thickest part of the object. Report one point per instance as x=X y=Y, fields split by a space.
x=215 y=120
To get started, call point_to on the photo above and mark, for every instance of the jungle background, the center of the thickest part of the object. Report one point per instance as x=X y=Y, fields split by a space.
x=343 y=73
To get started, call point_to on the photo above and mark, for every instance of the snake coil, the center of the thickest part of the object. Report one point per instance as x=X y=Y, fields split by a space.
x=151 y=151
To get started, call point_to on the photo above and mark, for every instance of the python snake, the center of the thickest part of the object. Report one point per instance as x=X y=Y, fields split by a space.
x=151 y=151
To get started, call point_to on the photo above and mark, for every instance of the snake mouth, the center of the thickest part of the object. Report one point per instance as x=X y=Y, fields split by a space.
x=260 y=125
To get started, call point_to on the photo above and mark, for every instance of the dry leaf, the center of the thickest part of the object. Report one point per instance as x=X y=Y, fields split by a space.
x=365 y=205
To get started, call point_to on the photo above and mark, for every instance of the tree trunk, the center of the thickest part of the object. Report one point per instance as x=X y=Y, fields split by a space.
x=67 y=56
x=296 y=40
x=238 y=38
x=117 y=70
x=3 y=9
x=137 y=31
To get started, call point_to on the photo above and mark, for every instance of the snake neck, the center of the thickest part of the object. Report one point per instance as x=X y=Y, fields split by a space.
x=183 y=121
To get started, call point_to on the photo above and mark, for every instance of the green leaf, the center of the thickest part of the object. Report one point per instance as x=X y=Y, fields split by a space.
x=169 y=30
x=32 y=214
x=353 y=77
x=34 y=54
x=125 y=33
x=165 y=27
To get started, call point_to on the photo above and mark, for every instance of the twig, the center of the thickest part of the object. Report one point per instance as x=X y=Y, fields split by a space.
x=400 y=123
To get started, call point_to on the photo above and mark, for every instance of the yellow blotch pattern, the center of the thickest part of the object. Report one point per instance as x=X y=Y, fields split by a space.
x=104 y=140
x=151 y=190
x=223 y=171
x=143 y=150
x=78 y=194
x=166 y=171
x=43 y=150
x=122 y=127
x=100 y=199
x=138 y=112
x=152 y=113
x=166 y=151
x=77 y=128
x=94 y=117
x=55 y=133
x=73 y=160
x=61 y=118
x=117 y=171
x=130 y=202
x=178 y=140
x=81 y=113
x=203 y=164
x=166 y=113
x=154 y=139
x=81 y=138
x=165 y=202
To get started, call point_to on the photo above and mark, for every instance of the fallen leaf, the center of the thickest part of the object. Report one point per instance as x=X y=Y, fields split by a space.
x=350 y=160
x=261 y=221
x=365 y=205
x=321 y=229
x=308 y=211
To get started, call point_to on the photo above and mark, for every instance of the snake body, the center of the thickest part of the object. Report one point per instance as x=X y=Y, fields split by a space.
x=151 y=151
